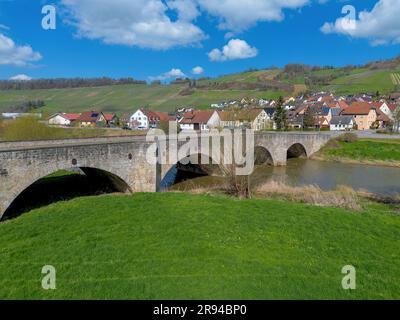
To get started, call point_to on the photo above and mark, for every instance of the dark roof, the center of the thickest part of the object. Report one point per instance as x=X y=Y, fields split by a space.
x=336 y=120
x=336 y=111
x=270 y=111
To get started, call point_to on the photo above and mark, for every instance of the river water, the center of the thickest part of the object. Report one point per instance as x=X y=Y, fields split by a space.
x=327 y=175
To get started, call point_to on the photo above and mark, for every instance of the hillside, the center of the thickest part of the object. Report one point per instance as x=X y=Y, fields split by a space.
x=270 y=84
x=179 y=246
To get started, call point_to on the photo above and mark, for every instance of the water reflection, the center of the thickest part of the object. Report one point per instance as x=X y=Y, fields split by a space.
x=327 y=175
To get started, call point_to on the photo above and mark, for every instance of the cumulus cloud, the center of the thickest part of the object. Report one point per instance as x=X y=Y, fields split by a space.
x=172 y=74
x=197 y=70
x=143 y=23
x=381 y=25
x=163 y=24
x=235 y=49
x=239 y=15
x=21 y=77
x=13 y=54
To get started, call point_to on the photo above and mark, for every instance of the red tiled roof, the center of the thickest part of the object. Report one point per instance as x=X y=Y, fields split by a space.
x=358 y=108
x=392 y=106
x=343 y=105
x=71 y=116
x=89 y=116
x=155 y=115
x=203 y=116
x=109 y=116
x=200 y=116
x=377 y=104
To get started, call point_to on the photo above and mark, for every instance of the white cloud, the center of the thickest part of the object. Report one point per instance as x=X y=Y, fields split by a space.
x=381 y=25
x=13 y=54
x=197 y=70
x=235 y=49
x=239 y=15
x=21 y=77
x=172 y=74
x=151 y=24
x=187 y=9
x=143 y=23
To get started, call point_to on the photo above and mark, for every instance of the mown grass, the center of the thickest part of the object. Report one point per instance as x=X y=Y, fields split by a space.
x=178 y=246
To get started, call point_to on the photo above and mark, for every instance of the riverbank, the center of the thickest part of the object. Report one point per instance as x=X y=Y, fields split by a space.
x=379 y=152
x=180 y=246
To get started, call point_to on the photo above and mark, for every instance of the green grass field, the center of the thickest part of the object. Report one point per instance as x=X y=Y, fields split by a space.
x=366 y=81
x=179 y=246
x=364 y=149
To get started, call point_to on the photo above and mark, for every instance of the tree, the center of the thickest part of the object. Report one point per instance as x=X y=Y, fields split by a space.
x=309 y=119
x=396 y=118
x=1 y=125
x=280 y=116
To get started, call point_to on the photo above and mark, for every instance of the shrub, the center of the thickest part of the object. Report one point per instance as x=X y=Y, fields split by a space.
x=347 y=137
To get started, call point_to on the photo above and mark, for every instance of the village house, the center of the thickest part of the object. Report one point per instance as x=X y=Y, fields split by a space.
x=256 y=119
x=63 y=119
x=91 y=119
x=144 y=119
x=365 y=115
x=200 y=120
x=112 y=119
x=342 y=123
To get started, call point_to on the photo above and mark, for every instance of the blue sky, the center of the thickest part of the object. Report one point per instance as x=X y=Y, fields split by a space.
x=160 y=39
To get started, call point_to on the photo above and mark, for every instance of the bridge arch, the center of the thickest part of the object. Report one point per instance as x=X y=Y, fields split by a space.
x=297 y=150
x=193 y=163
x=99 y=177
x=262 y=156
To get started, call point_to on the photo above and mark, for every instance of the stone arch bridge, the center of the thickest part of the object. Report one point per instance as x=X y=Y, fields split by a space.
x=120 y=160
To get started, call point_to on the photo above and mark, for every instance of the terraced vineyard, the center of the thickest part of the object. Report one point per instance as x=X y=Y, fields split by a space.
x=268 y=84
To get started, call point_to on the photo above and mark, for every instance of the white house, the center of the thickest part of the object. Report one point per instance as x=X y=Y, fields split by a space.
x=139 y=120
x=62 y=119
x=203 y=120
x=342 y=123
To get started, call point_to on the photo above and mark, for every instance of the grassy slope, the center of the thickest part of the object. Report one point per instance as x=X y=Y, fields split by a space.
x=366 y=81
x=364 y=149
x=176 y=246
x=126 y=98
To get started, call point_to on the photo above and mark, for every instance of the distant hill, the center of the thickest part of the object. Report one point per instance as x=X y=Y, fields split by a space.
x=382 y=76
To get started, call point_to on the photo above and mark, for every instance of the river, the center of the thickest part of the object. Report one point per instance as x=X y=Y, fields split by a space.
x=327 y=175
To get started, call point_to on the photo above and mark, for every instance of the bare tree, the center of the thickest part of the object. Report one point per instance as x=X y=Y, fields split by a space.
x=396 y=122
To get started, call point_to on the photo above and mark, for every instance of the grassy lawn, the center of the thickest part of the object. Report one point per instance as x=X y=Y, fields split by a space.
x=179 y=246
x=364 y=149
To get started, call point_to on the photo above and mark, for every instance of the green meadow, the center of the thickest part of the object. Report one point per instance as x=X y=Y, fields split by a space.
x=379 y=150
x=180 y=246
